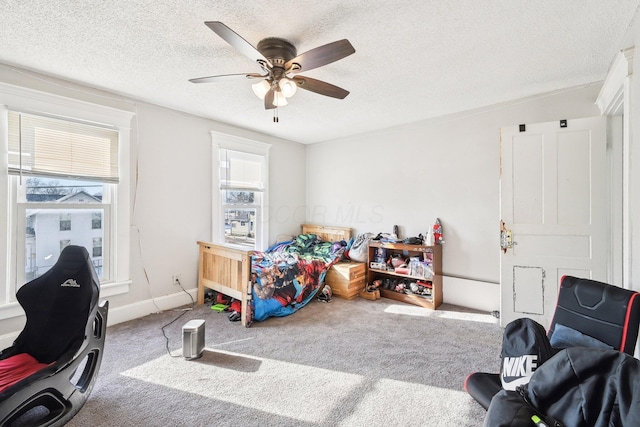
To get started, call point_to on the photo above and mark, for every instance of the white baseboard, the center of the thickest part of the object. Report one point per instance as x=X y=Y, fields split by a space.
x=475 y=294
x=146 y=307
x=128 y=312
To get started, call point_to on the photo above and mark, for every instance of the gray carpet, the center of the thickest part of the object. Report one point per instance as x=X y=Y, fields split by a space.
x=343 y=363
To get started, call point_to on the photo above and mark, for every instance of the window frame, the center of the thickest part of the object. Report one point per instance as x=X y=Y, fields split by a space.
x=231 y=142
x=24 y=99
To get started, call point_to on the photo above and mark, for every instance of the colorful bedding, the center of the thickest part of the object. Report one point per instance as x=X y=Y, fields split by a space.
x=288 y=275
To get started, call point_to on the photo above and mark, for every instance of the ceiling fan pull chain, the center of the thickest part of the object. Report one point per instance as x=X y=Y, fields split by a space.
x=275 y=115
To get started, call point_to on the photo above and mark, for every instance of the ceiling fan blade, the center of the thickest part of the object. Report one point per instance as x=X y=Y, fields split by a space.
x=268 y=99
x=224 y=76
x=318 y=86
x=320 y=56
x=235 y=40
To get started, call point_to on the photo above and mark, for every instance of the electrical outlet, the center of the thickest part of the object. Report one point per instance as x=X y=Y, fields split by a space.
x=176 y=279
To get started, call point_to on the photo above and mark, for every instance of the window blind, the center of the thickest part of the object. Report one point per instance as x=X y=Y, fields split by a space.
x=40 y=145
x=241 y=171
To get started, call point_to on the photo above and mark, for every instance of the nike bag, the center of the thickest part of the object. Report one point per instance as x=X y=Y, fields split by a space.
x=525 y=346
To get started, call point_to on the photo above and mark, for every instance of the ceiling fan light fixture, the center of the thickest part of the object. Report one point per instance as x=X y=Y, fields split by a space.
x=288 y=87
x=261 y=88
x=279 y=100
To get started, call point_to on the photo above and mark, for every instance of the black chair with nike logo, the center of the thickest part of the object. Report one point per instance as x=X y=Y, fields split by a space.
x=588 y=313
x=46 y=376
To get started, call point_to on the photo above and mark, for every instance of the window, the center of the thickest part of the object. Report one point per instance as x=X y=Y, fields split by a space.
x=97 y=247
x=241 y=190
x=96 y=221
x=64 y=169
x=65 y=222
x=62 y=184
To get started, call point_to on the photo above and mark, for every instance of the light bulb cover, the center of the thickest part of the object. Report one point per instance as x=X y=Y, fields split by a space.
x=261 y=88
x=288 y=87
x=279 y=100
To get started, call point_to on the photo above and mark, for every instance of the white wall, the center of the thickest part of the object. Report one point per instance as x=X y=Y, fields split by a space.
x=447 y=168
x=171 y=202
x=172 y=208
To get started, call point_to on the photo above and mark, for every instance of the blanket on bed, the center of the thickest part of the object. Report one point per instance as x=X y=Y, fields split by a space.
x=288 y=275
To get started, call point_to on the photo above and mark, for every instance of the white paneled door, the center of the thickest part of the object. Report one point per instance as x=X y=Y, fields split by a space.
x=554 y=209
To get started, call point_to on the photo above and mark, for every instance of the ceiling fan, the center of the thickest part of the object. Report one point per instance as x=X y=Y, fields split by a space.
x=280 y=64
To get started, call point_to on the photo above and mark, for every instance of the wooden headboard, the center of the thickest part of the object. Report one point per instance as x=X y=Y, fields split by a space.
x=327 y=233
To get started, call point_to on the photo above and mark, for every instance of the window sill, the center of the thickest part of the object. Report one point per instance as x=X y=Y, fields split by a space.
x=11 y=310
x=14 y=309
x=114 y=288
x=236 y=247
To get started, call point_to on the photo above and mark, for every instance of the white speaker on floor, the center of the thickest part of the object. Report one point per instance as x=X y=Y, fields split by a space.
x=193 y=339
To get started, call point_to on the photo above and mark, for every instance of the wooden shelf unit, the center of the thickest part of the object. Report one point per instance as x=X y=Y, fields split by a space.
x=426 y=253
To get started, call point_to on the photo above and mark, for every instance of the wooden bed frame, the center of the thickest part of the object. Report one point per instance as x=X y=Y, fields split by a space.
x=228 y=270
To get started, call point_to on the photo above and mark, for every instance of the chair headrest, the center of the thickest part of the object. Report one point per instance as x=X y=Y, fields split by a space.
x=58 y=305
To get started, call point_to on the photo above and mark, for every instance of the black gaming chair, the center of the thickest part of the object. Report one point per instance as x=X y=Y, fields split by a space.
x=64 y=340
x=608 y=313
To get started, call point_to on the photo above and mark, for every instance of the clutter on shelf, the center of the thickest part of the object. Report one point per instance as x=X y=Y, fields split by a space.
x=408 y=269
x=406 y=272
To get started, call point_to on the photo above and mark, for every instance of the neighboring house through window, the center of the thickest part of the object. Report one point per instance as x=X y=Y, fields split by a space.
x=75 y=207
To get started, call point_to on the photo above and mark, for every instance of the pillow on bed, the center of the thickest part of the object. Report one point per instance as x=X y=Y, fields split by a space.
x=359 y=249
x=564 y=336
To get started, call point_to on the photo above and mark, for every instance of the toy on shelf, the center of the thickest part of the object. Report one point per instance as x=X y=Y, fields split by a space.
x=438 y=236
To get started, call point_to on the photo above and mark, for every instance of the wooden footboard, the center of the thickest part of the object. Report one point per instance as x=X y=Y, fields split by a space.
x=228 y=271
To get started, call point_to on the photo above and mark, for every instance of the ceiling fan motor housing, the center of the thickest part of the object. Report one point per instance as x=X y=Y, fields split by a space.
x=278 y=51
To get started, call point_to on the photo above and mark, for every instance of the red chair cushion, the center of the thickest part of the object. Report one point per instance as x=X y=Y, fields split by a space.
x=16 y=368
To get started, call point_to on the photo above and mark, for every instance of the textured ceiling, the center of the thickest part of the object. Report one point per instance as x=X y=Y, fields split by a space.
x=414 y=59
